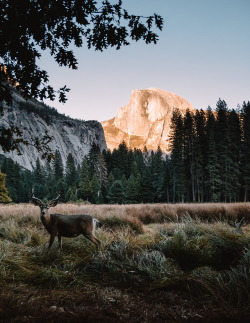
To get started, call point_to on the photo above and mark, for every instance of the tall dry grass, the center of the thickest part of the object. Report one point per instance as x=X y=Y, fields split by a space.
x=146 y=213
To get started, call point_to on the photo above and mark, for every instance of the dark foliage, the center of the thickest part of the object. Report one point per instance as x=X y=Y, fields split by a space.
x=29 y=27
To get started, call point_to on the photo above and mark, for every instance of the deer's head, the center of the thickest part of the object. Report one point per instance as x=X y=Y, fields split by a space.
x=44 y=207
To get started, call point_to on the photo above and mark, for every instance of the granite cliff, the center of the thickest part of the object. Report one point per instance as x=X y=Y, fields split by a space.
x=69 y=135
x=145 y=120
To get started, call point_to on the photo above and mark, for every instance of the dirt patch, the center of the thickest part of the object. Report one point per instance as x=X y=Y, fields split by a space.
x=109 y=304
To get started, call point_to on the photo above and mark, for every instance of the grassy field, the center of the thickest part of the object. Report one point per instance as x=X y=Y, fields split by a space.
x=157 y=263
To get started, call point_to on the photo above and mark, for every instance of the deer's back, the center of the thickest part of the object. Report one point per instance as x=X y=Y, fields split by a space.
x=71 y=225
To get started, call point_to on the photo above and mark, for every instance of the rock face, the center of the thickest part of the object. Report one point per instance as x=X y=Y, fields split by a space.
x=70 y=135
x=145 y=121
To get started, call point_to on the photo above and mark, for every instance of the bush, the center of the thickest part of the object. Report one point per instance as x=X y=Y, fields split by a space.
x=115 y=222
x=223 y=249
x=12 y=232
x=235 y=283
x=185 y=251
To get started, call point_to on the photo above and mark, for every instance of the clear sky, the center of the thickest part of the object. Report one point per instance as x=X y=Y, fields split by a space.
x=203 y=54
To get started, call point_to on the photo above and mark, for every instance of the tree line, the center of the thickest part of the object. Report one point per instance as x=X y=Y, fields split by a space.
x=209 y=162
x=210 y=159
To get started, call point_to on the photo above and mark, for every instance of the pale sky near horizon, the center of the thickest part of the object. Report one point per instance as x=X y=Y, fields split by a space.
x=203 y=54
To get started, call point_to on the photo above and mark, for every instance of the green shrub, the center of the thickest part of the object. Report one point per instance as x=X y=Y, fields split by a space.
x=152 y=264
x=184 y=250
x=235 y=283
x=223 y=249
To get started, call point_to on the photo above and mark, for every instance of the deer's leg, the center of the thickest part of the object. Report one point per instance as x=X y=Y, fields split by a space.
x=93 y=239
x=59 y=242
x=51 y=240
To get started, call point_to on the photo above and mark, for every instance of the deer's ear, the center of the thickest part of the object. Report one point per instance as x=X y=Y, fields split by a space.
x=52 y=203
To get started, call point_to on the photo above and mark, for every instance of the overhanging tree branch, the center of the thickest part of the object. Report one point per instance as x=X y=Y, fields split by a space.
x=29 y=27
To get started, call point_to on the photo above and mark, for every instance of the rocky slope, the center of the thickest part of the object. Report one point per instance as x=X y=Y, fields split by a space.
x=70 y=135
x=145 y=120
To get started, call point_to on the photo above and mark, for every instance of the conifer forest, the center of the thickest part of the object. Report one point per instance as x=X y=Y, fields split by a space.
x=209 y=161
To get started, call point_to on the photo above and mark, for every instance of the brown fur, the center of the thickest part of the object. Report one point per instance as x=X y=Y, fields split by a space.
x=65 y=225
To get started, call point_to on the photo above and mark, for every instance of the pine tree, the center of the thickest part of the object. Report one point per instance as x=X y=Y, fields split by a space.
x=50 y=182
x=4 y=197
x=95 y=189
x=18 y=181
x=131 y=192
x=155 y=162
x=147 y=186
x=116 y=193
x=110 y=182
x=121 y=161
x=97 y=166
x=139 y=160
x=200 y=153
x=223 y=147
x=164 y=185
x=235 y=133
x=139 y=188
x=107 y=155
x=70 y=173
x=93 y=159
x=38 y=174
x=246 y=150
x=84 y=189
x=13 y=179
x=39 y=180
x=60 y=186
x=212 y=169
x=213 y=181
x=58 y=166
x=71 y=194
x=176 y=142
x=26 y=188
x=9 y=169
x=189 y=155
x=102 y=174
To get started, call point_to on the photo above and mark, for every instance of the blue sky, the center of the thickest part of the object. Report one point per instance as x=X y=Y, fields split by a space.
x=203 y=54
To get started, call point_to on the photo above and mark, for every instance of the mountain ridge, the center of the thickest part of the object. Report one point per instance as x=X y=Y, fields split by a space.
x=69 y=135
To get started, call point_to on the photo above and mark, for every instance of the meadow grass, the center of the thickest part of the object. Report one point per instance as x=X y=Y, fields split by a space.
x=196 y=265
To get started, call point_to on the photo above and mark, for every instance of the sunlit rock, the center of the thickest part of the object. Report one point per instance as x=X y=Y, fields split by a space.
x=145 y=120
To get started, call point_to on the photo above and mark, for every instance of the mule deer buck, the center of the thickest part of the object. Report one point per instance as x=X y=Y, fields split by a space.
x=237 y=225
x=66 y=225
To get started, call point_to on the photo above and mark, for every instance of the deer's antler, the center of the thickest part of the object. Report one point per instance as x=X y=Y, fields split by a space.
x=35 y=200
x=53 y=202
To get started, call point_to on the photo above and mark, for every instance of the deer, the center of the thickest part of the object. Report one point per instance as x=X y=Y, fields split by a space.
x=237 y=225
x=66 y=225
